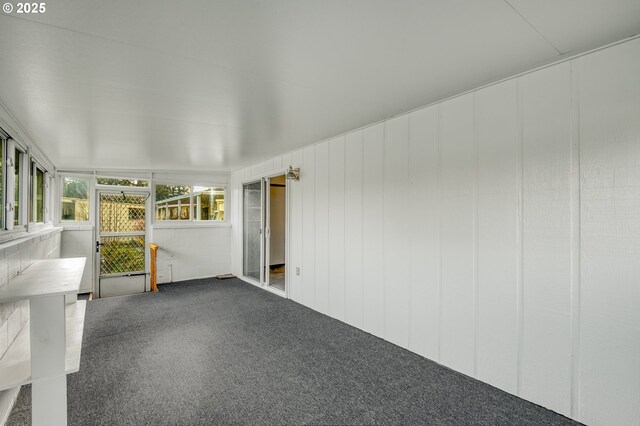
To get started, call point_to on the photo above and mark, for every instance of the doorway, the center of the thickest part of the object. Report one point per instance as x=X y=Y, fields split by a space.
x=121 y=243
x=276 y=236
x=264 y=232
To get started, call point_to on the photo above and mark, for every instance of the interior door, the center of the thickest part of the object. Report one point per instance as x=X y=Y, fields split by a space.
x=121 y=243
x=266 y=185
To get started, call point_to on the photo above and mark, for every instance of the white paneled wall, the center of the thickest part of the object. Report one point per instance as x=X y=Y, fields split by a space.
x=373 y=230
x=353 y=250
x=336 y=228
x=192 y=252
x=395 y=230
x=609 y=333
x=424 y=238
x=458 y=249
x=496 y=233
x=545 y=100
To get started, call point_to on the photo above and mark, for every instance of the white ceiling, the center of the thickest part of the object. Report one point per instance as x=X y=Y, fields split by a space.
x=216 y=85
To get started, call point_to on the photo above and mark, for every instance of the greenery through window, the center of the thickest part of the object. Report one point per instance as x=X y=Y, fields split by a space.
x=75 y=199
x=16 y=186
x=139 y=183
x=182 y=202
x=3 y=143
x=39 y=203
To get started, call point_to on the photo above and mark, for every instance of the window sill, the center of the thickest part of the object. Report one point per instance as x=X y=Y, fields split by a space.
x=76 y=226
x=16 y=238
x=189 y=224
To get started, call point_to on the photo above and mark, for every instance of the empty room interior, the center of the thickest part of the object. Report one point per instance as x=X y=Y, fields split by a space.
x=320 y=212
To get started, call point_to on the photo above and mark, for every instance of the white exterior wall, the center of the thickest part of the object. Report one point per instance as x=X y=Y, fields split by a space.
x=496 y=233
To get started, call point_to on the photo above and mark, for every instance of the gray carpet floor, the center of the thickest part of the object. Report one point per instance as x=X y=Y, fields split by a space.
x=225 y=352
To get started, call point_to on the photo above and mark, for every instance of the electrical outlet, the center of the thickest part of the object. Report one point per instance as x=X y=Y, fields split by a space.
x=297 y=270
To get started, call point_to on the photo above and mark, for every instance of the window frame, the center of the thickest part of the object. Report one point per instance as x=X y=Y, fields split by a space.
x=35 y=167
x=23 y=184
x=192 y=221
x=8 y=228
x=90 y=199
x=108 y=186
x=16 y=226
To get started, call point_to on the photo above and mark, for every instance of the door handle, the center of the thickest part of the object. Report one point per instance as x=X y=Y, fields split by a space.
x=98 y=244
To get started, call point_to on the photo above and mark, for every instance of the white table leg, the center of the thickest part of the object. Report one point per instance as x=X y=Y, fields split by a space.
x=48 y=347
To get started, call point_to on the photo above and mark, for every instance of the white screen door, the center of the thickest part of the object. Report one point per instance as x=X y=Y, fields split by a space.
x=121 y=243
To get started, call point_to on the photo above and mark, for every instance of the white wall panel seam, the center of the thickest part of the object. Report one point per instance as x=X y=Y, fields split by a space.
x=476 y=324
x=301 y=279
x=520 y=239
x=439 y=234
x=575 y=239
x=344 y=229
x=384 y=156
x=363 y=286
x=408 y=203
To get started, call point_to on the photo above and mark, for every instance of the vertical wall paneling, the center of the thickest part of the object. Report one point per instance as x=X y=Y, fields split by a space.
x=336 y=228
x=307 y=179
x=547 y=238
x=575 y=241
x=322 y=228
x=372 y=224
x=353 y=229
x=610 y=244
x=457 y=227
x=234 y=202
x=503 y=221
x=396 y=230
x=424 y=238
x=520 y=245
x=498 y=151
x=295 y=231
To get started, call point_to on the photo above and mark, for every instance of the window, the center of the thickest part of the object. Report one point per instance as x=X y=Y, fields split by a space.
x=139 y=183
x=17 y=186
x=74 y=203
x=24 y=186
x=3 y=148
x=208 y=203
x=37 y=193
x=173 y=202
x=189 y=203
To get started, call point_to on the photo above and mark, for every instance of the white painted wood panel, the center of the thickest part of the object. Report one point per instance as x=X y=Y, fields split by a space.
x=189 y=253
x=322 y=228
x=610 y=241
x=336 y=228
x=498 y=244
x=308 y=227
x=424 y=241
x=523 y=245
x=232 y=214
x=353 y=229
x=372 y=253
x=458 y=162
x=295 y=232
x=396 y=230
x=546 y=356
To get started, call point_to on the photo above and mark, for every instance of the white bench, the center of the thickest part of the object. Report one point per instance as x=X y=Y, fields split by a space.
x=48 y=347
